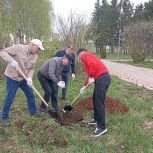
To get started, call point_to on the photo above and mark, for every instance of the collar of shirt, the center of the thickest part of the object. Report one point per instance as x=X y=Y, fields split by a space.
x=29 y=54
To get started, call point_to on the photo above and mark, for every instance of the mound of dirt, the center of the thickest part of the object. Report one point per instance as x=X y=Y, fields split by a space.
x=2 y=131
x=19 y=123
x=8 y=145
x=72 y=117
x=112 y=106
x=76 y=115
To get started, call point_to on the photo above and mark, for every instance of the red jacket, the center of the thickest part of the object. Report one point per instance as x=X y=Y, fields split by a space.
x=93 y=66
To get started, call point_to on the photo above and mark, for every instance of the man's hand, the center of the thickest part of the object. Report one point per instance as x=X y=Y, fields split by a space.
x=61 y=84
x=83 y=90
x=29 y=82
x=91 y=80
x=14 y=64
x=73 y=76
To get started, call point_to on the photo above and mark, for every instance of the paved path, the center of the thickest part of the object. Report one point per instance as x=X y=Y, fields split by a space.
x=137 y=75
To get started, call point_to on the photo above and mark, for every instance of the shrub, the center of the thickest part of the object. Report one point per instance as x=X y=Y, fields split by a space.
x=103 y=53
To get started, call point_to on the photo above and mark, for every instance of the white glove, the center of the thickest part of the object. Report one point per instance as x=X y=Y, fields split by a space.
x=29 y=82
x=61 y=84
x=91 y=80
x=73 y=76
x=83 y=90
x=14 y=64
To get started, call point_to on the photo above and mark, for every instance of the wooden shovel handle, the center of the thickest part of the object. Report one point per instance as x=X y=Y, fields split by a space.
x=78 y=95
x=35 y=90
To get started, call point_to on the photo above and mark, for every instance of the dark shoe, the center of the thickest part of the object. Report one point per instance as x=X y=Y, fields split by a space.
x=4 y=122
x=92 y=122
x=43 y=110
x=36 y=114
x=98 y=132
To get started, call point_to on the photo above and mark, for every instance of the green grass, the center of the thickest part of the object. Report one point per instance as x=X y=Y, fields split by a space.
x=126 y=133
x=145 y=64
x=118 y=57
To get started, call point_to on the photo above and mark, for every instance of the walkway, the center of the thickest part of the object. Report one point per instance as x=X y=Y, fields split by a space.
x=137 y=75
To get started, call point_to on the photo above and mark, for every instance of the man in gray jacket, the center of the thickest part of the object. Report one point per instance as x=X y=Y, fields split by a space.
x=50 y=79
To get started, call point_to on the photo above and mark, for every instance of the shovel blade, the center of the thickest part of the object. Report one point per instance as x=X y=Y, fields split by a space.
x=67 y=108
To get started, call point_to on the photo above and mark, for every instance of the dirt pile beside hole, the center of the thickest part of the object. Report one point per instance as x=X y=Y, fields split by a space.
x=112 y=106
x=19 y=123
x=8 y=145
x=2 y=131
x=72 y=117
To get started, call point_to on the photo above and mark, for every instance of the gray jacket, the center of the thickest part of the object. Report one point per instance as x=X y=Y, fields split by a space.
x=52 y=69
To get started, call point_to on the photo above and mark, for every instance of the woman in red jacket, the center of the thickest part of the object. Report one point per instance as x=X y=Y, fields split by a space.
x=97 y=73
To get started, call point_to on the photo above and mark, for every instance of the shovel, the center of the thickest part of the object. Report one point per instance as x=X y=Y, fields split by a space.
x=68 y=108
x=50 y=112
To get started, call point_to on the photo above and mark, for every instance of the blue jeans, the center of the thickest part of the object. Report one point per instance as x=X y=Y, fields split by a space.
x=65 y=78
x=50 y=90
x=11 y=88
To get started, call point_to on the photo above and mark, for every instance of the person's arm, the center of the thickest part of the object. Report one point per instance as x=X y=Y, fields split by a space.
x=8 y=53
x=57 y=54
x=51 y=71
x=73 y=64
x=92 y=66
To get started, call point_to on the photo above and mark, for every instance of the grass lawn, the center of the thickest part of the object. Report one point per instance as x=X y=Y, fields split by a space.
x=118 y=57
x=146 y=64
x=128 y=133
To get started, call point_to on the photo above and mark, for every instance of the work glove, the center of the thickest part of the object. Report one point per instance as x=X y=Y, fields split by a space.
x=14 y=64
x=61 y=84
x=73 y=76
x=29 y=82
x=83 y=90
x=91 y=80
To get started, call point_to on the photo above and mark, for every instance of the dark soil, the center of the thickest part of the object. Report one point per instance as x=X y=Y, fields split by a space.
x=76 y=115
x=112 y=106
x=9 y=144
x=2 y=131
x=72 y=117
x=19 y=123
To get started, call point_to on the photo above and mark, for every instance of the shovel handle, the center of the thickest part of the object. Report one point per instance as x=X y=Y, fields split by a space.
x=36 y=91
x=78 y=95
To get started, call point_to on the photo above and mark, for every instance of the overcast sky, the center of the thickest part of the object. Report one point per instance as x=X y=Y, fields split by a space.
x=63 y=7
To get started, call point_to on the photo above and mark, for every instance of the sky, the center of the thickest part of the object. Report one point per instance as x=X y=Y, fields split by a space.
x=63 y=7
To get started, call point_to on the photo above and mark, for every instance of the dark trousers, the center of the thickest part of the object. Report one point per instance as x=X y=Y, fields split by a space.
x=65 y=78
x=101 y=85
x=11 y=89
x=50 y=91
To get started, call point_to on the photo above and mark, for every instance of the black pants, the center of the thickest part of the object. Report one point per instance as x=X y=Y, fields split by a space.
x=50 y=90
x=101 y=85
x=65 y=78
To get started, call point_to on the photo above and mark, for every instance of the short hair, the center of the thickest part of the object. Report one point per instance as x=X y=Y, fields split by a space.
x=68 y=56
x=81 y=49
x=69 y=46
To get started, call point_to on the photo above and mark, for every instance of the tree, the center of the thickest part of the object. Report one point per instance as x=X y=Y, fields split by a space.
x=30 y=19
x=96 y=23
x=114 y=16
x=148 y=13
x=138 y=13
x=138 y=40
x=127 y=13
x=73 y=30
